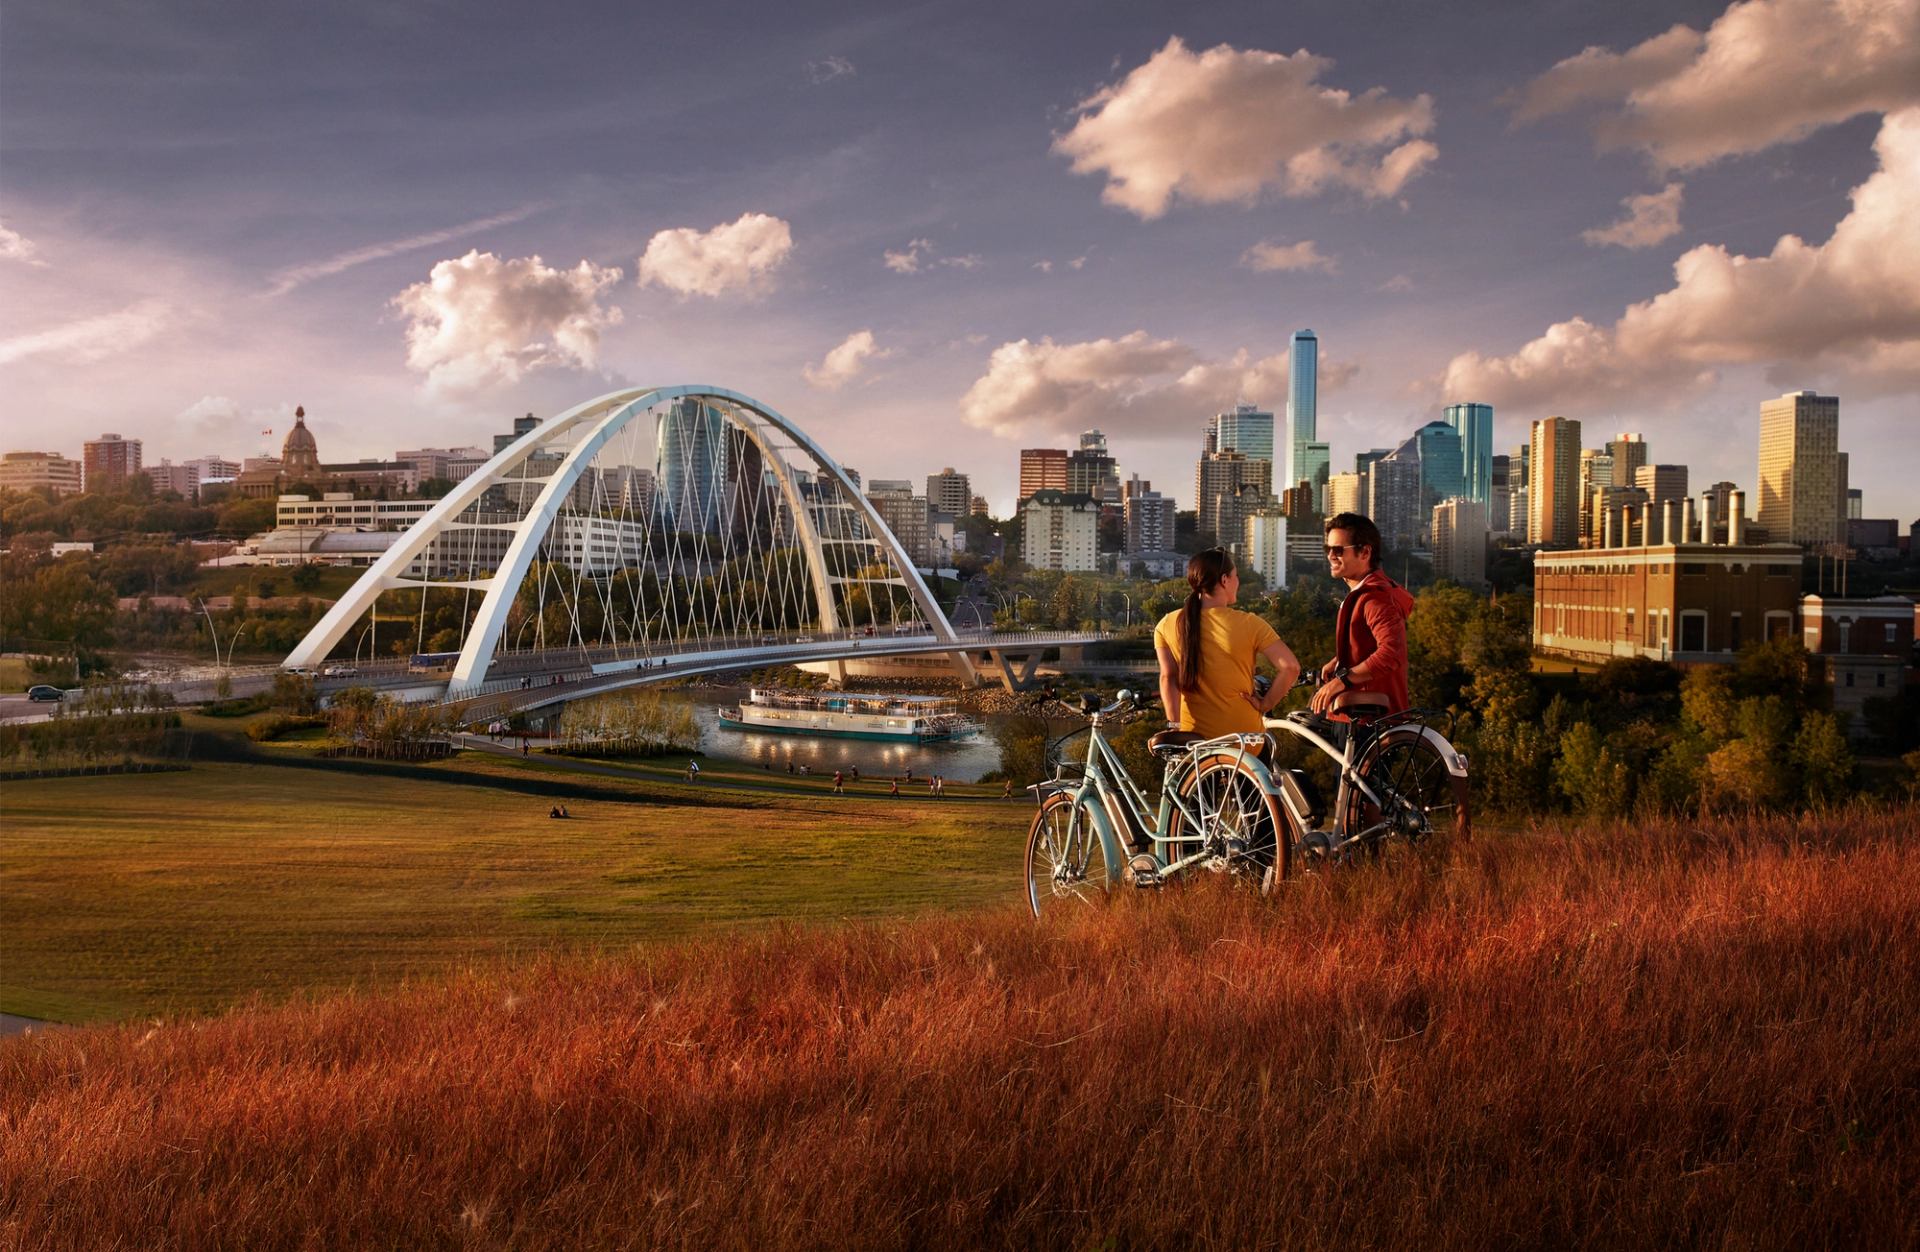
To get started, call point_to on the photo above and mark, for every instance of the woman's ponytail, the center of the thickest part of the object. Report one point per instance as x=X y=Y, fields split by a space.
x=1204 y=572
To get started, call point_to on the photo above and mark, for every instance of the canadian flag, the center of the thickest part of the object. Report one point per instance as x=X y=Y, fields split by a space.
x=266 y=432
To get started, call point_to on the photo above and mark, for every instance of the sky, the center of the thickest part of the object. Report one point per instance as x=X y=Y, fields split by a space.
x=934 y=234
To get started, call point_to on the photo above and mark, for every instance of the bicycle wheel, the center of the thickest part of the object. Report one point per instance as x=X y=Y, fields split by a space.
x=1241 y=822
x=1066 y=862
x=1425 y=806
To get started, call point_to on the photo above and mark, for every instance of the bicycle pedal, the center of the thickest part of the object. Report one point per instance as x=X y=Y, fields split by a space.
x=1215 y=865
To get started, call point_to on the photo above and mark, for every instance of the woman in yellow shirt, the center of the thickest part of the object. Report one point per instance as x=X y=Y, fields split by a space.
x=1207 y=649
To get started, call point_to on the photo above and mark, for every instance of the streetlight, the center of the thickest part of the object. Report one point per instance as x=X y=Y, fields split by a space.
x=215 y=632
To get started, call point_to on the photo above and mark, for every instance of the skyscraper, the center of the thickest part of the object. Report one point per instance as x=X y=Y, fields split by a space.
x=1440 y=463
x=1246 y=430
x=1553 y=487
x=1460 y=541
x=1303 y=399
x=693 y=466
x=1393 y=498
x=1225 y=484
x=1500 y=498
x=1802 y=483
x=1629 y=453
x=1474 y=424
x=1042 y=469
x=109 y=461
x=1662 y=482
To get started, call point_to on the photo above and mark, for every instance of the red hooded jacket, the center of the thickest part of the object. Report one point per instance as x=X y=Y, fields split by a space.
x=1372 y=627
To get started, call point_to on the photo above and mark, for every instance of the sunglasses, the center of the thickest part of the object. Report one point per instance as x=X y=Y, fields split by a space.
x=1335 y=549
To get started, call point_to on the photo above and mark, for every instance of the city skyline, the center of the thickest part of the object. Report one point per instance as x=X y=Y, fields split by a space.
x=420 y=229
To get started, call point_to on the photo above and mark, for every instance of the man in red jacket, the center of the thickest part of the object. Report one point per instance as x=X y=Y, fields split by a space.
x=1369 y=665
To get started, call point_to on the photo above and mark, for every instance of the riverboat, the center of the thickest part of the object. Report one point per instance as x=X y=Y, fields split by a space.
x=849 y=715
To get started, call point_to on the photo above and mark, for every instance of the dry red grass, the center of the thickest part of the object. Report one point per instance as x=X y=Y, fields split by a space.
x=1690 y=1035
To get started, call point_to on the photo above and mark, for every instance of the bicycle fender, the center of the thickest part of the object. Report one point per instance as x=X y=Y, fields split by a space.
x=1455 y=763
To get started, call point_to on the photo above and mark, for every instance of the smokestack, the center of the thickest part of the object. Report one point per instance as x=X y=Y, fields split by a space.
x=1706 y=517
x=1646 y=524
x=1737 y=518
x=1687 y=528
x=1670 y=522
x=1606 y=527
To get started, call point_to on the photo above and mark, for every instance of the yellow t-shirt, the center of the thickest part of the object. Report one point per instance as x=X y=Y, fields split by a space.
x=1229 y=641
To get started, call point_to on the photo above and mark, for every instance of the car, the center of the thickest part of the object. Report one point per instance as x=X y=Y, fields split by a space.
x=803 y=638
x=299 y=671
x=44 y=692
x=339 y=671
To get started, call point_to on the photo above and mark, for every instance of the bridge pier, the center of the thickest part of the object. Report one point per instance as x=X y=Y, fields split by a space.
x=1028 y=665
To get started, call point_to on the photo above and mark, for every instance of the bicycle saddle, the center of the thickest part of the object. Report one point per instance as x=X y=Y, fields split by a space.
x=1171 y=741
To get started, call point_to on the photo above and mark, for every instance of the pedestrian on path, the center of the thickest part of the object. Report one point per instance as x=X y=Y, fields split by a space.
x=1006 y=792
x=896 y=788
x=693 y=771
x=839 y=783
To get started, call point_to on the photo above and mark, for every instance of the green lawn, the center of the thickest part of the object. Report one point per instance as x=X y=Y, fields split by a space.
x=14 y=674
x=225 y=580
x=131 y=895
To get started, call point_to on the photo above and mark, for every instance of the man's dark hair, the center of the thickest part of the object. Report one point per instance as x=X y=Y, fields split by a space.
x=1360 y=530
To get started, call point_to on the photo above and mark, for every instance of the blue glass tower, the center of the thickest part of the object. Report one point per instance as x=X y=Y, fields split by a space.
x=1303 y=399
x=1440 y=463
x=1474 y=424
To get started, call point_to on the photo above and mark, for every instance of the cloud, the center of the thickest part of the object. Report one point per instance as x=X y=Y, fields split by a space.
x=217 y=421
x=737 y=256
x=293 y=276
x=92 y=338
x=920 y=253
x=17 y=247
x=1650 y=219
x=1267 y=256
x=846 y=362
x=1135 y=384
x=1765 y=72
x=1851 y=304
x=481 y=321
x=1399 y=282
x=825 y=71
x=1220 y=126
x=1045 y=267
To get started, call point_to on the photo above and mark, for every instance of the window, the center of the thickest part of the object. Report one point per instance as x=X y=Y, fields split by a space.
x=1893 y=633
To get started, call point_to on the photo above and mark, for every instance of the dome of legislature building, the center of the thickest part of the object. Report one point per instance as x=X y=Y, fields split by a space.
x=299 y=468
x=300 y=454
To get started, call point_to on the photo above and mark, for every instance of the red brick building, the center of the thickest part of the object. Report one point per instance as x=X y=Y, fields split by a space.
x=1669 y=602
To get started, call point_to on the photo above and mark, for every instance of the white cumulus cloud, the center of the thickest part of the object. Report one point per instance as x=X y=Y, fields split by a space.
x=1267 y=256
x=1221 y=125
x=1852 y=303
x=845 y=363
x=482 y=321
x=740 y=256
x=1649 y=219
x=15 y=246
x=1765 y=72
x=92 y=338
x=1135 y=384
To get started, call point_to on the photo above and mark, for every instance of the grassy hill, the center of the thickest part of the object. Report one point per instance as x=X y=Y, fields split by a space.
x=1690 y=1035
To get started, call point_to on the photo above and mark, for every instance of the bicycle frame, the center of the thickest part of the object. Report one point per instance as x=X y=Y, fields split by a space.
x=1106 y=792
x=1350 y=780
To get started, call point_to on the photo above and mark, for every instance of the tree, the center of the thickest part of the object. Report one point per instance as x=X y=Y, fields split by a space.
x=307 y=577
x=1823 y=760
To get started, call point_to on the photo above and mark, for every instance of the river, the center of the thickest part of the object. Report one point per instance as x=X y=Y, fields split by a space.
x=962 y=760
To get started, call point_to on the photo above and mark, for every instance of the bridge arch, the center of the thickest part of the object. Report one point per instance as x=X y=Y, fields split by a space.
x=612 y=505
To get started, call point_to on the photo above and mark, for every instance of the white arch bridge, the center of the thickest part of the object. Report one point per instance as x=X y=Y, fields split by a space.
x=650 y=533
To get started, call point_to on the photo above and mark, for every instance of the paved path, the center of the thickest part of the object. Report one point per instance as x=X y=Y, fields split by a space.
x=13 y=1024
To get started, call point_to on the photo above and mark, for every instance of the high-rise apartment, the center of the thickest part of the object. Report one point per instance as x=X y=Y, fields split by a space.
x=1500 y=496
x=1629 y=453
x=1263 y=547
x=1803 y=483
x=1060 y=531
x=1474 y=424
x=1091 y=472
x=1042 y=469
x=1149 y=521
x=949 y=492
x=109 y=461
x=1460 y=541
x=1393 y=498
x=692 y=455
x=1224 y=484
x=1596 y=474
x=1553 y=487
x=1346 y=493
x=905 y=515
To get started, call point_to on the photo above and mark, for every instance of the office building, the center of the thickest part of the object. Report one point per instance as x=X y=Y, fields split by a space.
x=1803 y=485
x=692 y=456
x=1060 y=531
x=1219 y=480
x=979 y=508
x=949 y=492
x=1303 y=386
x=1474 y=424
x=1627 y=452
x=1662 y=482
x=905 y=514
x=1441 y=477
x=107 y=462
x=214 y=467
x=1459 y=527
x=34 y=471
x=1264 y=547
x=1091 y=472
x=1860 y=650
x=1149 y=519
x=1311 y=459
x=1042 y=469
x=1553 y=486
x=1297 y=503
x=1856 y=504
x=521 y=426
x=1244 y=429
